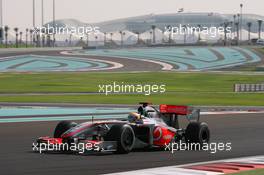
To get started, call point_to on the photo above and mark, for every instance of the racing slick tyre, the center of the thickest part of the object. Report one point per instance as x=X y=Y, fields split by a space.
x=124 y=136
x=197 y=132
x=62 y=127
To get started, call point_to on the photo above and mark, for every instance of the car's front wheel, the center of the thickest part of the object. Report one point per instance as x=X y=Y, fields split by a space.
x=62 y=127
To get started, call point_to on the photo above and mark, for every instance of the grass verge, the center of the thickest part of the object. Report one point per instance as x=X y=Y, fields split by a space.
x=254 y=172
x=181 y=88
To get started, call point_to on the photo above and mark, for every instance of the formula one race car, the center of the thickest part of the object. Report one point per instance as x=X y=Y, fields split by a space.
x=146 y=128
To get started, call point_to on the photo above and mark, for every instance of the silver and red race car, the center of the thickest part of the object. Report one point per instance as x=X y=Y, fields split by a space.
x=146 y=128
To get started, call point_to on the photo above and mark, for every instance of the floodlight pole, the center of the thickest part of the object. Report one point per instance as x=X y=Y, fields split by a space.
x=34 y=21
x=34 y=24
x=54 y=31
x=42 y=12
x=42 y=24
x=1 y=13
x=238 y=29
x=241 y=21
x=234 y=26
x=1 y=21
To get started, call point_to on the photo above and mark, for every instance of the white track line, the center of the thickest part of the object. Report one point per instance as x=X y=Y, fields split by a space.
x=179 y=170
x=115 y=65
x=171 y=170
x=250 y=159
x=231 y=112
x=165 y=66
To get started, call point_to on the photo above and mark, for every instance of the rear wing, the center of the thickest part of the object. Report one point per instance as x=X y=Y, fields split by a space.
x=191 y=113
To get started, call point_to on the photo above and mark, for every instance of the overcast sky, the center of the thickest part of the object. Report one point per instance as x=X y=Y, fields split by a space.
x=19 y=12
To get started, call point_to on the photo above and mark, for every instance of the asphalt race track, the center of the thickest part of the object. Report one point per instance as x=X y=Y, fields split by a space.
x=128 y=64
x=146 y=59
x=244 y=131
x=184 y=58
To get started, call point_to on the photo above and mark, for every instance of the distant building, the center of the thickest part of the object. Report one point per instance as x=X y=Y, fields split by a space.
x=143 y=24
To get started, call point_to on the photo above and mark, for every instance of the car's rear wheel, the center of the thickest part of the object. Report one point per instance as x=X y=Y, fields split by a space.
x=124 y=136
x=197 y=132
x=62 y=127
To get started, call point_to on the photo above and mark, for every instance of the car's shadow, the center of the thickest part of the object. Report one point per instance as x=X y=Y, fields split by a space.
x=94 y=153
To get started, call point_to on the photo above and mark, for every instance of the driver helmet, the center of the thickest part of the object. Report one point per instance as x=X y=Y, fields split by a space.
x=133 y=117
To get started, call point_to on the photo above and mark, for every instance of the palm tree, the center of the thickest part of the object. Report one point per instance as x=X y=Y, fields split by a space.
x=43 y=39
x=70 y=40
x=249 y=24
x=43 y=36
x=185 y=28
x=121 y=34
x=259 y=27
x=27 y=37
x=150 y=32
x=237 y=31
x=96 y=43
x=226 y=24
x=87 y=39
x=81 y=39
x=163 y=34
x=38 y=39
x=238 y=28
x=111 y=35
x=20 y=39
x=48 y=40
x=6 y=35
x=105 y=38
x=241 y=21
x=1 y=35
x=138 y=35
x=153 y=27
x=170 y=33
x=234 y=25
x=199 y=35
x=16 y=31
x=31 y=36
